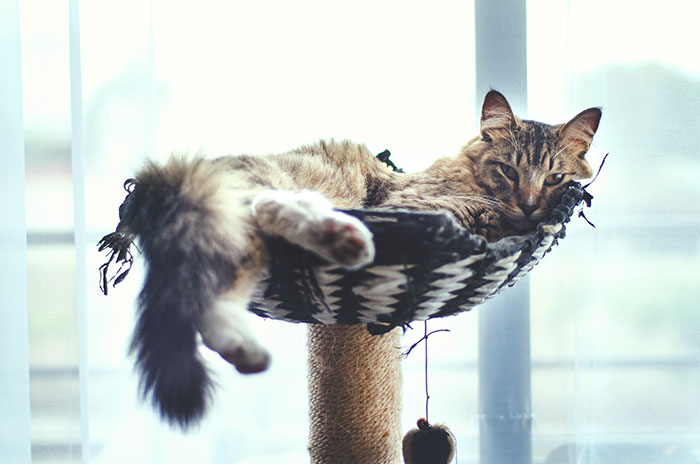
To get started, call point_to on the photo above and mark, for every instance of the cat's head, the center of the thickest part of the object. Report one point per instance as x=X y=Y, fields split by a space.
x=526 y=165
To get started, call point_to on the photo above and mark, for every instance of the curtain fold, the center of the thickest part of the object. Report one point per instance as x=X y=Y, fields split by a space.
x=15 y=438
x=79 y=222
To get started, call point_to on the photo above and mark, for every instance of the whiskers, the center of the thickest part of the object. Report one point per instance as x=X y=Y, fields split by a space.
x=510 y=212
x=489 y=201
x=562 y=149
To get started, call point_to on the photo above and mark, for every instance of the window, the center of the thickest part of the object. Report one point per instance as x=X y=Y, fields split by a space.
x=614 y=315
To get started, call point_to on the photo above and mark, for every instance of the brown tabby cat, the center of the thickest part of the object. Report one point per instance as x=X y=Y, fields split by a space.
x=200 y=225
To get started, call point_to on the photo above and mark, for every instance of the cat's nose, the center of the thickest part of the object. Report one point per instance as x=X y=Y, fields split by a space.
x=528 y=209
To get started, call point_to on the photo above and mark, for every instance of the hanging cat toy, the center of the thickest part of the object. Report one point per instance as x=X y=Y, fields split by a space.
x=428 y=443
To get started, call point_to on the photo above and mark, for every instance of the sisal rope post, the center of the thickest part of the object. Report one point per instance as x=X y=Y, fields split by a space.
x=354 y=395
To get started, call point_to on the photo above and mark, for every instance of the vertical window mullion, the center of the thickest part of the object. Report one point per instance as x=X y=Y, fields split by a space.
x=505 y=418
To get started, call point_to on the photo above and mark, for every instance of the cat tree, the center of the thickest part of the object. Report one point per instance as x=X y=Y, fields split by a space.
x=426 y=266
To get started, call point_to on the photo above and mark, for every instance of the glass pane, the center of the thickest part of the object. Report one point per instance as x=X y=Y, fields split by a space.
x=616 y=359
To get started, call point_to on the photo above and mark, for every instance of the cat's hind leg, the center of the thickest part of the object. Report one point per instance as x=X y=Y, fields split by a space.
x=308 y=219
x=224 y=328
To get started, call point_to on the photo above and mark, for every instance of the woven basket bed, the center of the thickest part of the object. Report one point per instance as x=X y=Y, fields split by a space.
x=426 y=266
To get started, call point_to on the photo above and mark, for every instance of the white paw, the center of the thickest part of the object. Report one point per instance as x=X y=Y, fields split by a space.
x=280 y=212
x=345 y=240
x=224 y=329
x=247 y=360
x=307 y=219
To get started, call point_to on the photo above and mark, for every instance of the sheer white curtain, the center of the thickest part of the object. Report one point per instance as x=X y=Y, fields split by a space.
x=614 y=314
x=14 y=347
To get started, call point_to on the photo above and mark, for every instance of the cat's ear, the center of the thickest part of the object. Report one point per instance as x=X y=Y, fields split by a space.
x=576 y=137
x=497 y=119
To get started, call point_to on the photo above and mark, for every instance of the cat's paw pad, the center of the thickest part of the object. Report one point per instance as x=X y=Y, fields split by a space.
x=247 y=360
x=345 y=240
x=307 y=219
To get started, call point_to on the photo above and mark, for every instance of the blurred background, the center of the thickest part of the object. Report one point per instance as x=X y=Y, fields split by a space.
x=615 y=309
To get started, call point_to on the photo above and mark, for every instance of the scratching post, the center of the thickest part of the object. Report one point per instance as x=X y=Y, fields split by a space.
x=354 y=395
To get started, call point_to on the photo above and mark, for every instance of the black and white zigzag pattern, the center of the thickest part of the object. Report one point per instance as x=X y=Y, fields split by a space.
x=426 y=266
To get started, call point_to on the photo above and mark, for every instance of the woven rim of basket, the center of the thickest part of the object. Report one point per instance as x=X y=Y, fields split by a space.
x=426 y=266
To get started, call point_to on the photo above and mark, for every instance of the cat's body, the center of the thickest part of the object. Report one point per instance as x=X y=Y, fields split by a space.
x=200 y=224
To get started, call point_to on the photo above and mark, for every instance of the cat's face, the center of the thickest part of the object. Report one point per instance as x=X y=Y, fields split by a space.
x=526 y=165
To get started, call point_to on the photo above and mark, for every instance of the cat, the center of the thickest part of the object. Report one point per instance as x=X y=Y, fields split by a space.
x=200 y=224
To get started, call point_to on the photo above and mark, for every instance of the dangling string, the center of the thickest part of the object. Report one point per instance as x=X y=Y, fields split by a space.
x=424 y=339
x=587 y=197
x=600 y=168
x=434 y=444
x=427 y=393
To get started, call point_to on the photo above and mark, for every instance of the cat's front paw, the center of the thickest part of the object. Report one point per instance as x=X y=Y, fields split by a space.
x=346 y=240
x=488 y=224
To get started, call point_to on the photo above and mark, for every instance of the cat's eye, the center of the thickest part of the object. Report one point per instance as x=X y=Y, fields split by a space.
x=554 y=179
x=509 y=172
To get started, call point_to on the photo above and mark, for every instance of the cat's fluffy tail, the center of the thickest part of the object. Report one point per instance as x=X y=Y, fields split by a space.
x=179 y=214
